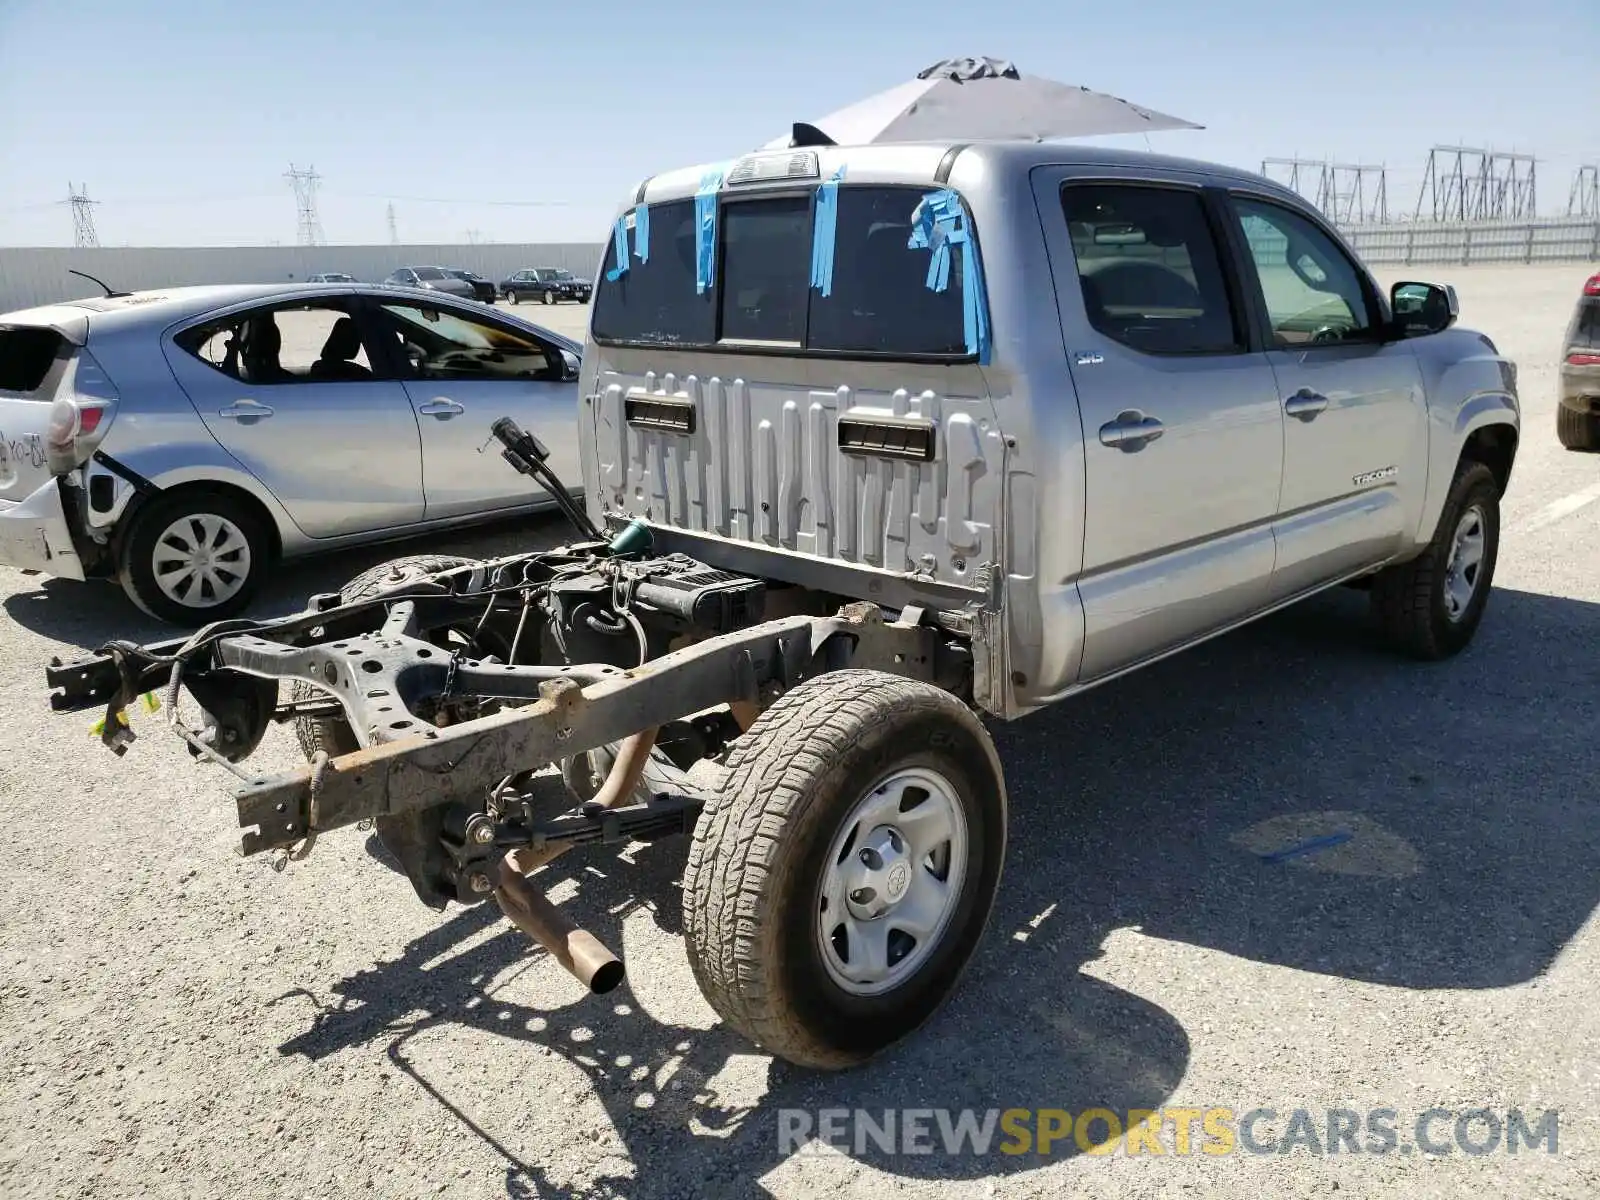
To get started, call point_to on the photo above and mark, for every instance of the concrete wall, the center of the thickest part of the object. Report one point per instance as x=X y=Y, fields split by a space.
x=30 y=276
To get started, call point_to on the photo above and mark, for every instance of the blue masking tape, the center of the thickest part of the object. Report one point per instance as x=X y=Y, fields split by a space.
x=940 y=222
x=619 y=242
x=824 y=233
x=705 y=230
x=641 y=232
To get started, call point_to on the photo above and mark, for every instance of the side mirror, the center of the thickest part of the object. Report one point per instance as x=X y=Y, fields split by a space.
x=569 y=367
x=1423 y=308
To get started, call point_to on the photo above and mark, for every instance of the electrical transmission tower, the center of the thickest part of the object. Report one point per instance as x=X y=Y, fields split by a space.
x=83 y=233
x=1466 y=184
x=1307 y=176
x=1358 y=193
x=1346 y=193
x=394 y=233
x=304 y=183
x=1584 y=200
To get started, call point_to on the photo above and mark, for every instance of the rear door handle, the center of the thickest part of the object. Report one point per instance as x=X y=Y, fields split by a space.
x=246 y=410
x=1131 y=431
x=441 y=407
x=1305 y=404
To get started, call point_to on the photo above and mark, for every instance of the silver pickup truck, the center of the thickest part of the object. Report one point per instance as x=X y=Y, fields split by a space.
x=874 y=441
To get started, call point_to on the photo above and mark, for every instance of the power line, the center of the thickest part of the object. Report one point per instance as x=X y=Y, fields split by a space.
x=83 y=233
x=470 y=200
x=304 y=183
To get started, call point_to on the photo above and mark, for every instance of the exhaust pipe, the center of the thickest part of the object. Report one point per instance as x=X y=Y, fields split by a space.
x=576 y=949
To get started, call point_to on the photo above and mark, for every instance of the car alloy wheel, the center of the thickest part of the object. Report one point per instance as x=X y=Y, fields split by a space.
x=511 y=296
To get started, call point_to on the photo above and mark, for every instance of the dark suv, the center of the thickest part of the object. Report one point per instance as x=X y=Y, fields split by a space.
x=482 y=289
x=548 y=285
x=1578 y=407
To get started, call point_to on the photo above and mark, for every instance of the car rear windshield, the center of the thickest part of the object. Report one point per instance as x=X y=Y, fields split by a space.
x=26 y=355
x=880 y=304
x=1586 y=325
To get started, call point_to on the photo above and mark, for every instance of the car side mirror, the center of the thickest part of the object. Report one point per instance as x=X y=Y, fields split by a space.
x=1423 y=308
x=570 y=366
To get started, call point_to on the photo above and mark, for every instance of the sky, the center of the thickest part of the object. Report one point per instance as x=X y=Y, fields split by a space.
x=532 y=121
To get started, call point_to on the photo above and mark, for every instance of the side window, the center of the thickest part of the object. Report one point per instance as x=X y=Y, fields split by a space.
x=435 y=343
x=1150 y=269
x=290 y=344
x=1312 y=290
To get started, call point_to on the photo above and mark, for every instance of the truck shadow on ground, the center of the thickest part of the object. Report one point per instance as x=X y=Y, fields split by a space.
x=1289 y=794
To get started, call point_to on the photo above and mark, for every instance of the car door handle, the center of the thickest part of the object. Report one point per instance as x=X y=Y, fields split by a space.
x=1305 y=404
x=245 y=410
x=1131 y=430
x=441 y=408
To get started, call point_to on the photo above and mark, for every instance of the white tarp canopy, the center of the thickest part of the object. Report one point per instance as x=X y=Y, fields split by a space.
x=974 y=100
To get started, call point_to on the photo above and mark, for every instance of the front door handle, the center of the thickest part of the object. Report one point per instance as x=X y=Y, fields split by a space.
x=245 y=410
x=1305 y=404
x=441 y=408
x=1131 y=431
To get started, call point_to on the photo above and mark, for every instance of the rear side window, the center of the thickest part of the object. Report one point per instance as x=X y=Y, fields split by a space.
x=1150 y=269
x=879 y=304
x=26 y=355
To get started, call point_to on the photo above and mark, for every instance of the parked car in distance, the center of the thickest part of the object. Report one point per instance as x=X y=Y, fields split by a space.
x=548 y=285
x=331 y=277
x=482 y=289
x=182 y=441
x=1578 y=405
x=433 y=279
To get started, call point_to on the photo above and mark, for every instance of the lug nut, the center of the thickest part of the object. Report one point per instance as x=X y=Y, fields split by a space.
x=483 y=834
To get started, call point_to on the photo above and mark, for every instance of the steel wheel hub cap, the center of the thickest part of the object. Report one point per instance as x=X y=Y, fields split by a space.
x=201 y=561
x=892 y=881
x=1465 y=565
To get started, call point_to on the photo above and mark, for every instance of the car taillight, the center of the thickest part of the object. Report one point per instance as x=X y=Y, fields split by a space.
x=1592 y=286
x=1579 y=359
x=79 y=418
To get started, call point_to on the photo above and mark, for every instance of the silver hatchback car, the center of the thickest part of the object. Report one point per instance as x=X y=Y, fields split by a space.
x=181 y=441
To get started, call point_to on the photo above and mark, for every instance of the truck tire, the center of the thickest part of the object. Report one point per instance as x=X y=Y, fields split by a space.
x=1577 y=430
x=333 y=734
x=194 y=556
x=1429 y=607
x=859 y=809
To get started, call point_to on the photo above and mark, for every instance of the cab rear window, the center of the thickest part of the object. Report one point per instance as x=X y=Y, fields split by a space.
x=26 y=356
x=880 y=303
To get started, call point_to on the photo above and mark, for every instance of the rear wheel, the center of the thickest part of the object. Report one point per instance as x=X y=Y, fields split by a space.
x=1430 y=607
x=511 y=297
x=841 y=879
x=194 y=556
x=1577 y=430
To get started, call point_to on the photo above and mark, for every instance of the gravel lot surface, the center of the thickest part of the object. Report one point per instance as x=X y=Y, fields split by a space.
x=176 y=1021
